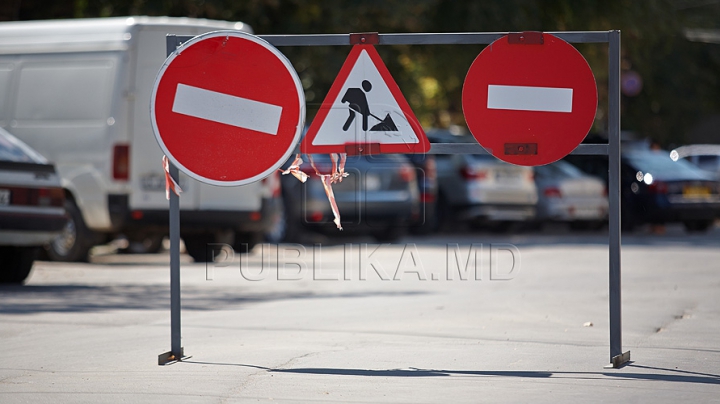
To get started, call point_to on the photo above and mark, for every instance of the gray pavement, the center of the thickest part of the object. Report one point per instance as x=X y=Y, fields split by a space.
x=92 y=332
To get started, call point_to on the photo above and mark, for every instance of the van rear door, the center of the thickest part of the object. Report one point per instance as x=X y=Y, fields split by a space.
x=147 y=177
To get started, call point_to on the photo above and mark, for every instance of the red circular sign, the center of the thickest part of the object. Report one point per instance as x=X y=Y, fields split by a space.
x=529 y=99
x=227 y=108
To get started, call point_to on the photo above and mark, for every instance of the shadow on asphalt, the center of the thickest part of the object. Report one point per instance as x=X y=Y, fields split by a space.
x=674 y=375
x=667 y=375
x=18 y=299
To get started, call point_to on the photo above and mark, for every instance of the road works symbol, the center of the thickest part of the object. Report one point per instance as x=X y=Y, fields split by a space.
x=357 y=102
x=529 y=98
x=227 y=108
x=365 y=112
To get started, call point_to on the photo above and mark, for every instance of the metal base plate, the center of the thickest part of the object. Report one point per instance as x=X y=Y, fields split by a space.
x=168 y=358
x=619 y=361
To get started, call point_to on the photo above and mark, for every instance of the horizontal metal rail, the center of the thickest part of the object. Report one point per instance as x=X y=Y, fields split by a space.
x=472 y=38
x=475 y=148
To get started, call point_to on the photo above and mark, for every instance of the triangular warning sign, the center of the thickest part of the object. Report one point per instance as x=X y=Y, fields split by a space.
x=365 y=112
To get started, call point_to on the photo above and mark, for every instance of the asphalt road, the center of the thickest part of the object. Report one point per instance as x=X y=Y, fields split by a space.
x=355 y=322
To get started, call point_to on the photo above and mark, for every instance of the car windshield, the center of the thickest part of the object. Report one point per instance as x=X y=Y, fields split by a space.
x=707 y=162
x=12 y=149
x=659 y=164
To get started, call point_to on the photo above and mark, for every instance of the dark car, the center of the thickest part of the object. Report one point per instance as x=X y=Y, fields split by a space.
x=32 y=211
x=657 y=190
x=379 y=197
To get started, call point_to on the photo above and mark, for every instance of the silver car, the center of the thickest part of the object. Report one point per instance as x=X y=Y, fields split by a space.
x=481 y=190
x=566 y=194
x=32 y=211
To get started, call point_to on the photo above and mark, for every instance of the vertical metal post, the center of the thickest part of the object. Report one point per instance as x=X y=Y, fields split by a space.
x=617 y=357
x=176 y=347
x=176 y=351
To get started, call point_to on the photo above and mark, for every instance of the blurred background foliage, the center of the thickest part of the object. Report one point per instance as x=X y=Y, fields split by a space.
x=680 y=78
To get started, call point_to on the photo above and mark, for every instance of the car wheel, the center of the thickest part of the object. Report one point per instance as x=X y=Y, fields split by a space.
x=196 y=246
x=389 y=234
x=75 y=241
x=498 y=227
x=580 y=225
x=698 y=226
x=442 y=214
x=429 y=223
x=17 y=263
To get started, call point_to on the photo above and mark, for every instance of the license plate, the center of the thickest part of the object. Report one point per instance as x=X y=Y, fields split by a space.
x=4 y=197
x=696 y=192
x=506 y=175
x=153 y=182
x=585 y=213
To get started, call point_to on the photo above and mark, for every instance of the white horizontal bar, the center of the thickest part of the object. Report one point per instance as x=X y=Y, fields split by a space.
x=227 y=109
x=522 y=98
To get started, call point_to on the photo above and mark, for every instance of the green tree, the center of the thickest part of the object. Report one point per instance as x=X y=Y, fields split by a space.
x=680 y=78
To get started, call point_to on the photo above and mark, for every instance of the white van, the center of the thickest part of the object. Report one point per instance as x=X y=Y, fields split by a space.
x=78 y=91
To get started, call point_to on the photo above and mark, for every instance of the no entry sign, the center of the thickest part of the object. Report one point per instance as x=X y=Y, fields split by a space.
x=529 y=98
x=227 y=108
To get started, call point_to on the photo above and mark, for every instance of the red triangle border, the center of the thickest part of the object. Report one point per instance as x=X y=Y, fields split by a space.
x=307 y=147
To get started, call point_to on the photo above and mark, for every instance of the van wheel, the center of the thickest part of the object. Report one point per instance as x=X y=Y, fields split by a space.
x=75 y=241
x=17 y=263
x=244 y=242
x=151 y=244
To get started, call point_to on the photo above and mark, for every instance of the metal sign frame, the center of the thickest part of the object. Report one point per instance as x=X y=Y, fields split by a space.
x=612 y=149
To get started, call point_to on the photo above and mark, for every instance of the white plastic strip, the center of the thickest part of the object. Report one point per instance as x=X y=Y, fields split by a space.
x=522 y=98
x=227 y=109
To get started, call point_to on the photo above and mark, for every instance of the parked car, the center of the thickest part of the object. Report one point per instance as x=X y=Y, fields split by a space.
x=657 y=190
x=480 y=189
x=31 y=207
x=78 y=91
x=704 y=156
x=379 y=197
x=566 y=194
